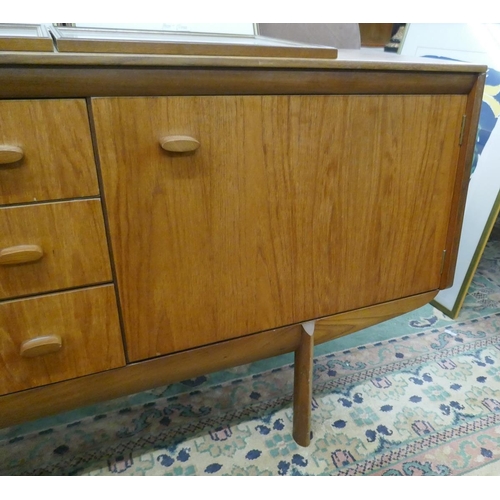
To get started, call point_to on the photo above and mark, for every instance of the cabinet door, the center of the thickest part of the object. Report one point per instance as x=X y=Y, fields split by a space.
x=291 y=208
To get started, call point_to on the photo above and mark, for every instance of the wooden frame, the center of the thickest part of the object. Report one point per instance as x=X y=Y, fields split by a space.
x=25 y=37
x=101 y=40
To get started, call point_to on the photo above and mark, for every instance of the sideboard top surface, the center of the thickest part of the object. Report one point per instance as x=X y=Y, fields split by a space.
x=60 y=75
x=347 y=60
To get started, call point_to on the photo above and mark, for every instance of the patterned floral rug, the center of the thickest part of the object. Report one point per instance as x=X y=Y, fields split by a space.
x=417 y=395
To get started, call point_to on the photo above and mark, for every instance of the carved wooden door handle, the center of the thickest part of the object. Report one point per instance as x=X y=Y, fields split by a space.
x=40 y=346
x=10 y=154
x=20 y=254
x=179 y=143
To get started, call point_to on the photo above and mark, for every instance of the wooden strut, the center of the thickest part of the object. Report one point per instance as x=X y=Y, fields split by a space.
x=302 y=389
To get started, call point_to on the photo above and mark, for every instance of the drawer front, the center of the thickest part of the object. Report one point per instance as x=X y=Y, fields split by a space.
x=230 y=215
x=45 y=151
x=71 y=238
x=85 y=324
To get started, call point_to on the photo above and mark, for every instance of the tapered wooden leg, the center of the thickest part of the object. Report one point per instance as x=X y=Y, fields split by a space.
x=302 y=390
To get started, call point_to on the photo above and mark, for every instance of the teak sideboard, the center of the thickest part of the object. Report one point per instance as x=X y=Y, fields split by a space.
x=163 y=217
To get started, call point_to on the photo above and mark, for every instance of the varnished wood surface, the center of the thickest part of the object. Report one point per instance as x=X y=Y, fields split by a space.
x=25 y=75
x=43 y=81
x=346 y=59
x=333 y=327
x=58 y=159
x=87 y=323
x=292 y=208
x=56 y=398
x=72 y=237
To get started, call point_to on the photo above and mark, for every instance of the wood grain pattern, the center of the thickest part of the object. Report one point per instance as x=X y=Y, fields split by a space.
x=87 y=322
x=136 y=377
x=348 y=208
x=58 y=159
x=133 y=378
x=333 y=327
x=71 y=235
x=146 y=81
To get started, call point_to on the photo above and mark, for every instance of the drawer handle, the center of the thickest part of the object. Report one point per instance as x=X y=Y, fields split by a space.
x=40 y=346
x=10 y=154
x=20 y=254
x=179 y=143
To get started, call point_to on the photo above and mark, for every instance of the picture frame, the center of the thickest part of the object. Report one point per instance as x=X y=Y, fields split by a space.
x=234 y=29
x=75 y=39
x=25 y=38
x=475 y=43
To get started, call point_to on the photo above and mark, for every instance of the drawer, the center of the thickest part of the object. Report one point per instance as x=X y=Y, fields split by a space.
x=61 y=336
x=71 y=237
x=45 y=151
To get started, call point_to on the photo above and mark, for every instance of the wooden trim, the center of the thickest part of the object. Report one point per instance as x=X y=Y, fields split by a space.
x=342 y=324
x=46 y=82
x=63 y=396
x=473 y=110
x=346 y=60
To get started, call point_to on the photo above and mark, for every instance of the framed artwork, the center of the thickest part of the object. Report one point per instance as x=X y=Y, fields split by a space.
x=476 y=43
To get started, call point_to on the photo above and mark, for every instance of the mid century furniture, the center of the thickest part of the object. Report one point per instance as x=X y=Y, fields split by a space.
x=164 y=216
